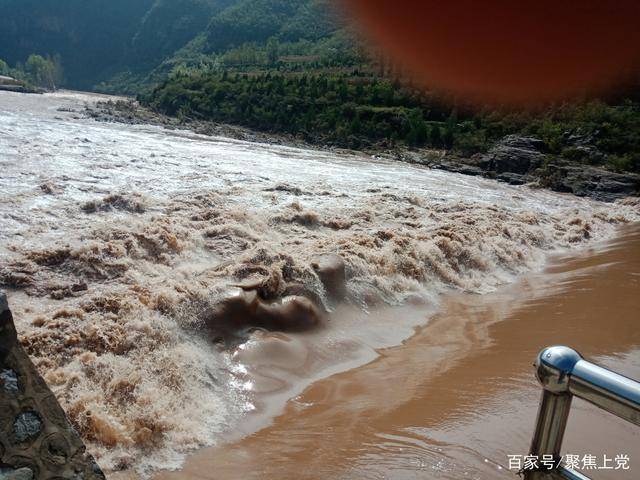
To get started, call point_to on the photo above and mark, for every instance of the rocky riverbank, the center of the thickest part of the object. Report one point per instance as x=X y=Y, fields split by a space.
x=132 y=113
x=10 y=84
x=20 y=89
x=516 y=160
x=520 y=160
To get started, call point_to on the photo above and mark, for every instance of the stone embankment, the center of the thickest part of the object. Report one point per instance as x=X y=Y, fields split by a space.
x=36 y=439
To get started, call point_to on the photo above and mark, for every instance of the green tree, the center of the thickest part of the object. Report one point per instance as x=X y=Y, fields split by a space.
x=273 y=50
x=4 y=68
x=435 y=136
x=43 y=72
x=417 y=128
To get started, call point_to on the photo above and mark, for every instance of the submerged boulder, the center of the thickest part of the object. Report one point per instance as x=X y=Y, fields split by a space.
x=243 y=310
x=513 y=178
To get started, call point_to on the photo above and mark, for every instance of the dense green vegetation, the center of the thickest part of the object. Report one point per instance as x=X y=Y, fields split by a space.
x=37 y=71
x=301 y=34
x=350 y=109
x=126 y=45
x=256 y=20
x=354 y=109
x=167 y=27
x=4 y=68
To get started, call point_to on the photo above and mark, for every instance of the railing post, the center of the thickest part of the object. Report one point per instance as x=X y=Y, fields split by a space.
x=551 y=424
x=563 y=374
x=553 y=367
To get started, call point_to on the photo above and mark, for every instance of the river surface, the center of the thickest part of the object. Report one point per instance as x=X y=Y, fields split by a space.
x=458 y=398
x=117 y=242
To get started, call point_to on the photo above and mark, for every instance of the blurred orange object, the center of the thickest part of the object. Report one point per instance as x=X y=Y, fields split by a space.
x=513 y=51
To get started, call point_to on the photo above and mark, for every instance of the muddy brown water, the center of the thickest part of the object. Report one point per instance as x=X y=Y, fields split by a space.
x=456 y=399
x=116 y=242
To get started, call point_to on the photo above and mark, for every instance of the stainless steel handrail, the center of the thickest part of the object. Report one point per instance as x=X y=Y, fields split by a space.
x=563 y=374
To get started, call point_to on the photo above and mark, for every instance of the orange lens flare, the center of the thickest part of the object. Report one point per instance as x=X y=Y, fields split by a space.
x=523 y=51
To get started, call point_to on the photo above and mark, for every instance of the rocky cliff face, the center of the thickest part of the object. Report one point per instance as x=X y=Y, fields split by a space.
x=36 y=439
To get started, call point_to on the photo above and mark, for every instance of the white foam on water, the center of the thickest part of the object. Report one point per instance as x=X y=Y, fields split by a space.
x=116 y=240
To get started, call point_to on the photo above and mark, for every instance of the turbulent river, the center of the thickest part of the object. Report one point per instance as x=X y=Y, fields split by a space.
x=118 y=241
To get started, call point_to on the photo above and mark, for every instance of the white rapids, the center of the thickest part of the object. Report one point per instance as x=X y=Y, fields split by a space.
x=116 y=240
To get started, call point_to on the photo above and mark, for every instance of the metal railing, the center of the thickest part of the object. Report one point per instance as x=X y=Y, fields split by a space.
x=563 y=374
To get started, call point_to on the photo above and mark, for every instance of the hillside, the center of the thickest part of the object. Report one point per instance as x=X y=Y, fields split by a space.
x=292 y=67
x=123 y=45
x=258 y=20
x=167 y=27
x=91 y=37
x=246 y=35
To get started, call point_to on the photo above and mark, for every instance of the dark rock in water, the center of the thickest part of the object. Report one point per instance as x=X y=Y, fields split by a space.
x=594 y=182
x=515 y=154
x=244 y=310
x=512 y=155
x=513 y=178
x=20 y=89
x=468 y=170
x=458 y=167
x=36 y=439
x=283 y=187
x=331 y=271
x=47 y=188
x=115 y=202
x=4 y=305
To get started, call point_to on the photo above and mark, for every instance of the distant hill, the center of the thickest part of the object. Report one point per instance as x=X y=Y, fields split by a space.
x=120 y=43
x=167 y=26
x=90 y=36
